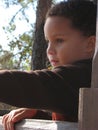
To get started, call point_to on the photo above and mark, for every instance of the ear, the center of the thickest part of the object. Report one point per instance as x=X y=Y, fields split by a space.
x=91 y=44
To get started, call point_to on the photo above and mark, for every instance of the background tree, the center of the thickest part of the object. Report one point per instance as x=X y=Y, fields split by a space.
x=39 y=45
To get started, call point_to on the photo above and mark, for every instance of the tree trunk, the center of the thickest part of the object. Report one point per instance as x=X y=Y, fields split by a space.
x=39 y=45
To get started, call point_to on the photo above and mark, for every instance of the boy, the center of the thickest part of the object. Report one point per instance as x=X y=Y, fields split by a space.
x=70 y=30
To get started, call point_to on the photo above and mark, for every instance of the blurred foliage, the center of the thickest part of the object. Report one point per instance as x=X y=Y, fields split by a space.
x=19 y=55
x=16 y=2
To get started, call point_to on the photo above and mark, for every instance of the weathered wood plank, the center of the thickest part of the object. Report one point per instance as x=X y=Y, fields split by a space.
x=88 y=109
x=94 y=83
x=31 y=124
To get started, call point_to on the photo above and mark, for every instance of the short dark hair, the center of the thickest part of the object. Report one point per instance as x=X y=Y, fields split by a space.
x=82 y=14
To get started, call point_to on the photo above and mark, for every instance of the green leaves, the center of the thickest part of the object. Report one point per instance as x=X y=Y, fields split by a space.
x=20 y=46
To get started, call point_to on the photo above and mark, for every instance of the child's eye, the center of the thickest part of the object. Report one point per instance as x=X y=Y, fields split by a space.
x=59 y=40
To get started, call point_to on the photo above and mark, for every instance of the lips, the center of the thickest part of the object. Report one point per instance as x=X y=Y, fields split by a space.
x=54 y=62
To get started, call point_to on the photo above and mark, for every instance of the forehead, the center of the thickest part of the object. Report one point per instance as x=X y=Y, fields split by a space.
x=57 y=25
x=54 y=21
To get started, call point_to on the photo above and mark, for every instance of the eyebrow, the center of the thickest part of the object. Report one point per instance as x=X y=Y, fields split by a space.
x=62 y=34
x=55 y=35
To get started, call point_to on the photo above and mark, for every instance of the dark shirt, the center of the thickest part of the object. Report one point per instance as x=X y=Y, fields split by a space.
x=56 y=90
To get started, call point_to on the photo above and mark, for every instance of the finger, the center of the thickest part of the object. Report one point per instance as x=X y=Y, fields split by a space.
x=10 y=124
x=18 y=117
x=3 y=118
x=4 y=122
x=7 y=122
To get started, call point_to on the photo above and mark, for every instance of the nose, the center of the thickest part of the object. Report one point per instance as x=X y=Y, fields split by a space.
x=50 y=49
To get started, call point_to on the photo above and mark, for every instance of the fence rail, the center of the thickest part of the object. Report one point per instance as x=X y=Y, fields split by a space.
x=32 y=124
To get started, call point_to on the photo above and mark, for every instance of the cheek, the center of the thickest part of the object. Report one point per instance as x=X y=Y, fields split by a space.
x=63 y=53
x=67 y=52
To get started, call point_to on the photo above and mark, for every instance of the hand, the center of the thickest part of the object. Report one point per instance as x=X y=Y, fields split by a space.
x=14 y=116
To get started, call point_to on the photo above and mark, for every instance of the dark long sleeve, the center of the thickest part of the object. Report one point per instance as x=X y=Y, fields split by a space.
x=56 y=90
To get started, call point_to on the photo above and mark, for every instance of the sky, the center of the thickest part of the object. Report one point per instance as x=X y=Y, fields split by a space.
x=21 y=26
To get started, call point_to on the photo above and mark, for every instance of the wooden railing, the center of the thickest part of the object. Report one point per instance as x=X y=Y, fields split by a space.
x=32 y=124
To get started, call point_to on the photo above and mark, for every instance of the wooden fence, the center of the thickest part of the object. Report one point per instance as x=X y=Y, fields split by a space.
x=31 y=124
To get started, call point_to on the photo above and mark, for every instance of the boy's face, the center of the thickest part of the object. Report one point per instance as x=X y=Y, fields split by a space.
x=65 y=44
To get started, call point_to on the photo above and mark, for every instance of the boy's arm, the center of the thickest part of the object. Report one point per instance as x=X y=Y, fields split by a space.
x=51 y=90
